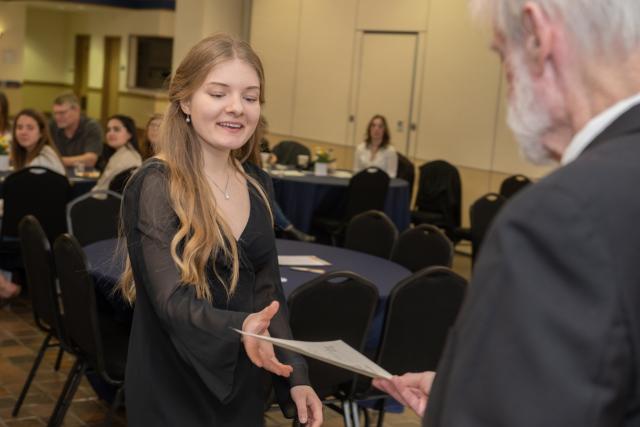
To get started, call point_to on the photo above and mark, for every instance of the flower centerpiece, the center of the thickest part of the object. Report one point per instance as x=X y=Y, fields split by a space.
x=323 y=158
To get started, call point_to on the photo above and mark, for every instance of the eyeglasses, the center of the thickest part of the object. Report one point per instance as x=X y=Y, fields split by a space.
x=61 y=112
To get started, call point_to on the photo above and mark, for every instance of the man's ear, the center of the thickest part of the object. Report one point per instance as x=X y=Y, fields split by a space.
x=538 y=36
x=185 y=106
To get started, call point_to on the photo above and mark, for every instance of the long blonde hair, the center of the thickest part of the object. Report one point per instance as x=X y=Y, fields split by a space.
x=202 y=234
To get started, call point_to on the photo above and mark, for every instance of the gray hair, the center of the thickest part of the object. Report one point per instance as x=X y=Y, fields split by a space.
x=610 y=27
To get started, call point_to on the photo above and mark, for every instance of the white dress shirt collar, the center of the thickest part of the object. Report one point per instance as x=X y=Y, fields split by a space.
x=595 y=126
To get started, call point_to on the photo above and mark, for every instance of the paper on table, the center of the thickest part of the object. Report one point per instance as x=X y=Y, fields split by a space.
x=337 y=353
x=312 y=260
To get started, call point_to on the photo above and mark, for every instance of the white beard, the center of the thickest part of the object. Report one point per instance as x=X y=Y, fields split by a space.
x=527 y=116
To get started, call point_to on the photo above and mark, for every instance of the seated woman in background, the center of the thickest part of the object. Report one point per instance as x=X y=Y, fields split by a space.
x=149 y=144
x=31 y=143
x=122 y=153
x=377 y=150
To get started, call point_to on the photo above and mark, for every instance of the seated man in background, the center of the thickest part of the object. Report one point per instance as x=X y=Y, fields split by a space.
x=78 y=138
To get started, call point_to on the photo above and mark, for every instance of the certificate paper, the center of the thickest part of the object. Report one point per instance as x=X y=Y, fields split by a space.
x=337 y=353
x=308 y=260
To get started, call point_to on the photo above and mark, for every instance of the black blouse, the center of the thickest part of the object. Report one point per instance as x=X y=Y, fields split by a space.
x=185 y=364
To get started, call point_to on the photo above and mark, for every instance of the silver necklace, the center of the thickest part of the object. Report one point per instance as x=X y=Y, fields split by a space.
x=225 y=192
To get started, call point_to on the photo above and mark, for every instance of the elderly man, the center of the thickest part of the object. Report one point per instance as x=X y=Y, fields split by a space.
x=78 y=138
x=550 y=332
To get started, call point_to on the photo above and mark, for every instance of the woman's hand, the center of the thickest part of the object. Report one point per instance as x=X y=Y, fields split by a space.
x=261 y=352
x=411 y=389
x=308 y=405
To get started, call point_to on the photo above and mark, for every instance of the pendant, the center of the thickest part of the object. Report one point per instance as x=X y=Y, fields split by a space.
x=227 y=196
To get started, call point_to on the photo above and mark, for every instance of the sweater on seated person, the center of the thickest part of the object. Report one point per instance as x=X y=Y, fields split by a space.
x=385 y=158
x=47 y=158
x=124 y=158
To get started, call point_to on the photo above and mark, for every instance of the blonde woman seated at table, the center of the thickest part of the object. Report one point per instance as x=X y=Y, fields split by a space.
x=122 y=149
x=31 y=143
x=377 y=150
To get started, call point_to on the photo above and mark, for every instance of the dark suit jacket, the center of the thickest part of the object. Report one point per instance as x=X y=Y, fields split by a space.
x=549 y=334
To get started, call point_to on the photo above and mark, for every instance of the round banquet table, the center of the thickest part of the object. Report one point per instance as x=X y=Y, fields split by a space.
x=303 y=196
x=106 y=264
x=79 y=185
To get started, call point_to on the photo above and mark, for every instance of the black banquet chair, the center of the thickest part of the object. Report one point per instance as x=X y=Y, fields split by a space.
x=33 y=191
x=367 y=190
x=336 y=305
x=438 y=201
x=511 y=185
x=421 y=247
x=94 y=216
x=99 y=345
x=119 y=182
x=481 y=214
x=41 y=278
x=371 y=232
x=406 y=171
x=420 y=312
x=288 y=151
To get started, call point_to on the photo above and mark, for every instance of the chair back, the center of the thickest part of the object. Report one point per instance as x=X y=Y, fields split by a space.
x=80 y=319
x=119 y=182
x=439 y=195
x=481 y=214
x=288 y=151
x=367 y=191
x=421 y=247
x=337 y=305
x=513 y=184
x=94 y=216
x=420 y=311
x=41 y=278
x=371 y=232
x=39 y=192
x=406 y=171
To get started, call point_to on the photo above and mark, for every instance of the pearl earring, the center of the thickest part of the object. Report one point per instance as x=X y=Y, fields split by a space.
x=188 y=119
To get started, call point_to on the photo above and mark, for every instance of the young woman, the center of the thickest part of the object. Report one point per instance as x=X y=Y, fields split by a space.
x=377 y=150
x=31 y=143
x=151 y=137
x=122 y=141
x=202 y=256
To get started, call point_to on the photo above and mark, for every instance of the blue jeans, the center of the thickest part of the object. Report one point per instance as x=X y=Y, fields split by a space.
x=281 y=221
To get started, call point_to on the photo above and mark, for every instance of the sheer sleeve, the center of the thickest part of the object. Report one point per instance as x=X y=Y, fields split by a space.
x=199 y=332
x=269 y=288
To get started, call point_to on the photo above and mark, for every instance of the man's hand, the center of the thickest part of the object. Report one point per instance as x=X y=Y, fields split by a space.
x=261 y=352
x=411 y=389
x=308 y=405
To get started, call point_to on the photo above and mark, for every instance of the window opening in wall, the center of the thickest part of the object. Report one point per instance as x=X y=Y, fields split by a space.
x=150 y=61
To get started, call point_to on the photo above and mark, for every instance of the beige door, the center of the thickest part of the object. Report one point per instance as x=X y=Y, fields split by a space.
x=81 y=69
x=385 y=84
x=110 y=78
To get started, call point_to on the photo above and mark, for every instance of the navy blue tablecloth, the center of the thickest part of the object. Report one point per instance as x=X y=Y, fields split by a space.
x=106 y=264
x=302 y=197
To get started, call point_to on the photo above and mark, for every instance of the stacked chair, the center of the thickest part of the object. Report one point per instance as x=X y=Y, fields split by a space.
x=438 y=201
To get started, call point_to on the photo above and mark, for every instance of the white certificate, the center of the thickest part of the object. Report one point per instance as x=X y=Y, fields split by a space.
x=308 y=260
x=337 y=353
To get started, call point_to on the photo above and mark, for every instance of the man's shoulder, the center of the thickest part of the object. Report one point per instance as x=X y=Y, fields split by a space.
x=89 y=123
